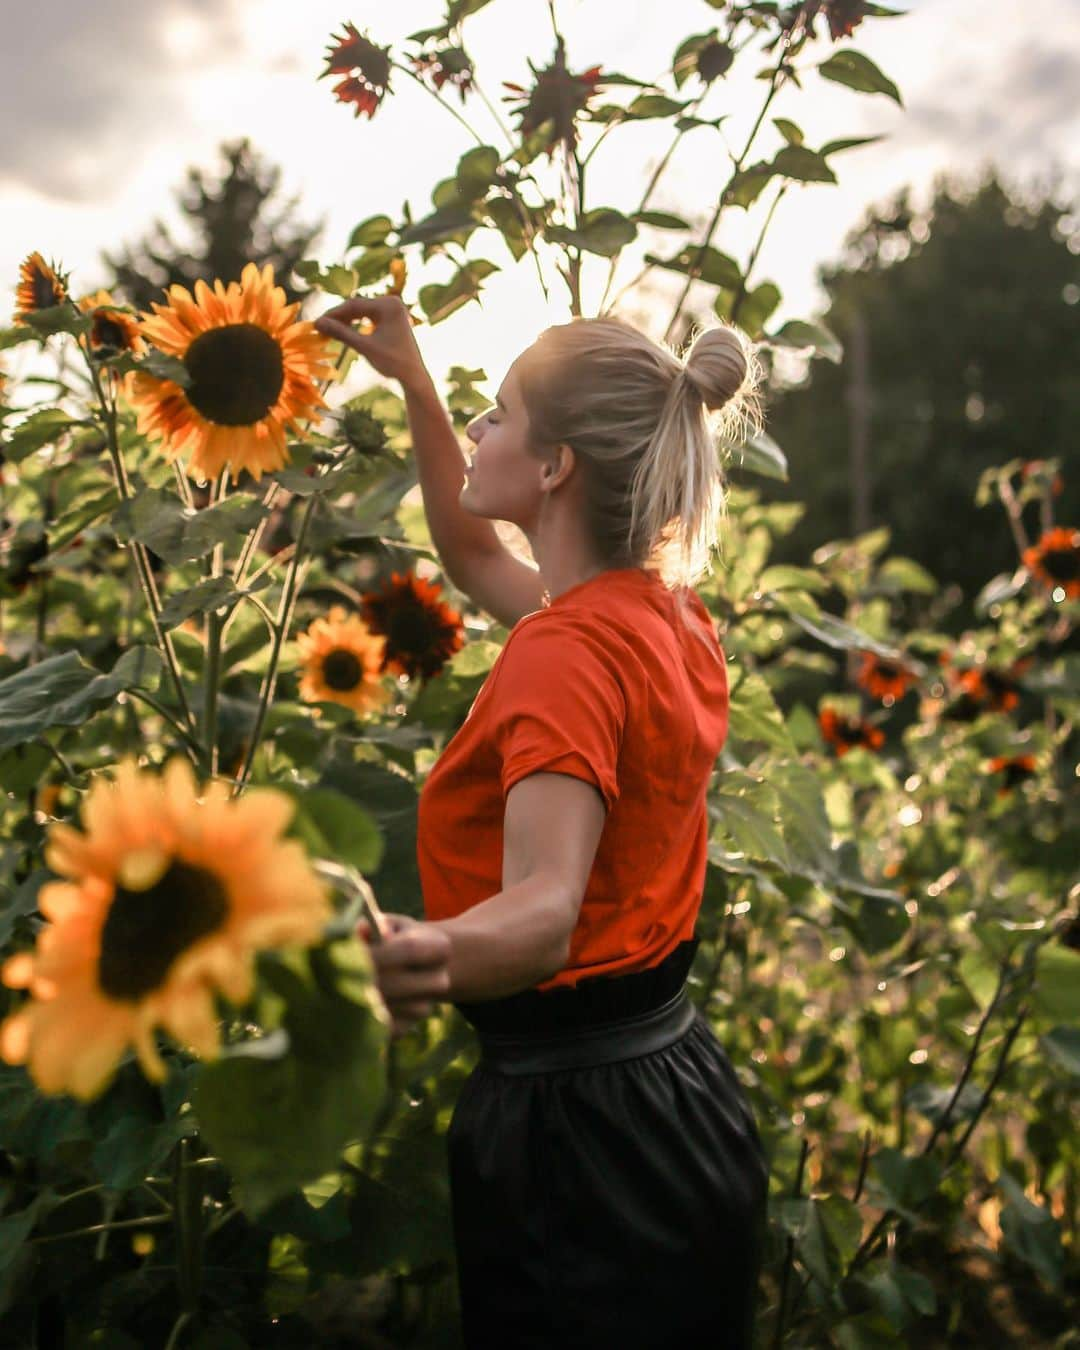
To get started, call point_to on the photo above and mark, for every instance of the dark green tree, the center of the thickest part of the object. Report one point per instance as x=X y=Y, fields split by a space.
x=234 y=219
x=959 y=329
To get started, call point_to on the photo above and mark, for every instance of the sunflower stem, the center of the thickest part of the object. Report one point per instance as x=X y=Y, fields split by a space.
x=284 y=620
x=187 y=1220
x=142 y=561
x=212 y=669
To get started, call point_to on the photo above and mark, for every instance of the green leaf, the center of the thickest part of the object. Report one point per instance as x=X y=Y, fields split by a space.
x=904 y=1182
x=748 y=185
x=476 y=171
x=760 y=454
x=371 y=231
x=842 y=636
x=54 y=319
x=905 y=574
x=440 y=301
x=660 y=220
x=447 y=223
x=790 y=132
x=715 y=268
x=155 y=517
x=753 y=714
x=834 y=147
x=603 y=231
x=279 y=1123
x=76 y=520
x=783 y=577
x=798 y=333
x=1032 y=1233
x=335 y=827
x=654 y=105
x=857 y=71
x=212 y=593
x=1063 y=1046
x=164 y=367
x=41 y=428
x=63 y=691
x=12 y=337
x=805 y=166
x=754 y=309
x=1057 y=983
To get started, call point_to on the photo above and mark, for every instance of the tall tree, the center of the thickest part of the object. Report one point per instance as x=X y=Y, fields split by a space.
x=959 y=329
x=234 y=220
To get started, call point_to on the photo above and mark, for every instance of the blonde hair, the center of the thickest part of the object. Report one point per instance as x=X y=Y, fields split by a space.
x=651 y=432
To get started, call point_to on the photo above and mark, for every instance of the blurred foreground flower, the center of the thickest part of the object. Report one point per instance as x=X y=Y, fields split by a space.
x=422 y=632
x=365 y=66
x=884 y=680
x=253 y=370
x=450 y=65
x=39 y=287
x=1015 y=768
x=111 y=329
x=168 y=896
x=1055 y=560
x=343 y=662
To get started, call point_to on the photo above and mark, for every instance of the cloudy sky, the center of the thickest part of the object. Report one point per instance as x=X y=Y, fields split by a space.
x=107 y=102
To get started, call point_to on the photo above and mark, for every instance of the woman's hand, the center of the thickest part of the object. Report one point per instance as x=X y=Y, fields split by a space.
x=388 y=341
x=412 y=967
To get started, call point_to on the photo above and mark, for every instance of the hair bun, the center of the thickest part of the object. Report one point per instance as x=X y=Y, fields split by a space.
x=717 y=365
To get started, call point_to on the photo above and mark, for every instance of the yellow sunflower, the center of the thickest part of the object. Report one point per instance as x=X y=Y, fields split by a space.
x=112 y=328
x=343 y=662
x=40 y=287
x=167 y=896
x=254 y=370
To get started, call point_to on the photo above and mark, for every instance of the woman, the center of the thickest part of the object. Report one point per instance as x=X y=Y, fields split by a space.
x=607 y=1180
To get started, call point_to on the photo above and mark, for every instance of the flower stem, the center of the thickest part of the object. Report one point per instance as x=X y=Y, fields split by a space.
x=187 y=1220
x=212 y=668
x=142 y=561
x=103 y=1227
x=281 y=629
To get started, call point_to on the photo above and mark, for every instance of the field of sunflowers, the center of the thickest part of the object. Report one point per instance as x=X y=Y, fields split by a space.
x=228 y=660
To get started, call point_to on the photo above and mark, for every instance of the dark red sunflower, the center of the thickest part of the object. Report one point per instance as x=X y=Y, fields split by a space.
x=842 y=16
x=39 y=287
x=422 y=632
x=366 y=68
x=1055 y=560
x=983 y=688
x=884 y=680
x=557 y=97
x=1015 y=768
x=451 y=65
x=843 y=732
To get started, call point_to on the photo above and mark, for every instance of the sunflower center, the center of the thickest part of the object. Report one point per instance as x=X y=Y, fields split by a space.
x=342 y=670
x=237 y=373
x=1063 y=564
x=44 y=294
x=410 y=628
x=145 y=931
x=109 y=333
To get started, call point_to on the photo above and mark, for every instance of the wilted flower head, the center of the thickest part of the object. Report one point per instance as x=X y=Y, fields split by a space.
x=40 y=287
x=366 y=68
x=557 y=97
x=450 y=65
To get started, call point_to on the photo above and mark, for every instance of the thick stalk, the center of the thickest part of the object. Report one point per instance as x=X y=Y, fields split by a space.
x=187 y=1220
x=142 y=561
x=789 y=1254
x=212 y=666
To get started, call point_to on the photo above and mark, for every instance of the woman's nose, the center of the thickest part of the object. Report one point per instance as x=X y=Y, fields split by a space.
x=470 y=431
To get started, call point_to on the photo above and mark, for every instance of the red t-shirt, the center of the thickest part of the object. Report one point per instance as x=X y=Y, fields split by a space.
x=608 y=686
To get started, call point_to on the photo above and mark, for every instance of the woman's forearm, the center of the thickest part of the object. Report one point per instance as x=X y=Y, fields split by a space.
x=456 y=534
x=511 y=942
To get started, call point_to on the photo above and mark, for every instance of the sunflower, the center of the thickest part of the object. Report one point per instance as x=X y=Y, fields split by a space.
x=1015 y=768
x=167 y=896
x=1055 y=560
x=449 y=66
x=843 y=732
x=422 y=632
x=365 y=66
x=884 y=680
x=843 y=16
x=253 y=370
x=343 y=662
x=557 y=97
x=39 y=287
x=111 y=329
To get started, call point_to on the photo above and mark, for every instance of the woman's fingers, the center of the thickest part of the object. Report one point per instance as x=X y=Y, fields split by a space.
x=331 y=328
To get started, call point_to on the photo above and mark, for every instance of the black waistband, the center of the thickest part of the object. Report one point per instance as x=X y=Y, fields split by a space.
x=609 y=1043
x=592 y=1002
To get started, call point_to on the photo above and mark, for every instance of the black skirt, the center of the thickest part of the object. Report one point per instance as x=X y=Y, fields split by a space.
x=620 y=1201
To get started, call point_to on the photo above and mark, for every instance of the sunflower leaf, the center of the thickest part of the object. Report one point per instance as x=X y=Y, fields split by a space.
x=40 y=429
x=63 y=691
x=858 y=72
x=212 y=593
x=164 y=367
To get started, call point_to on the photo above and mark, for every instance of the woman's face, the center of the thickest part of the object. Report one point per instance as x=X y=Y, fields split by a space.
x=503 y=480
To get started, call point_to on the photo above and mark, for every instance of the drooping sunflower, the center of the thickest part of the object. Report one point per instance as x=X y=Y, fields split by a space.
x=843 y=732
x=843 y=16
x=887 y=681
x=111 y=329
x=450 y=65
x=167 y=895
x=556 y=97
x=422 y=631
x=40 y=287
x=343 y=662
x=1055 y=560
x=366 y=68
x=1015 y=768
x=253 y=368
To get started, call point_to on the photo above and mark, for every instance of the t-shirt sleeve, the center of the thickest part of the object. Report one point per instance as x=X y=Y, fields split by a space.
x=560 y=706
